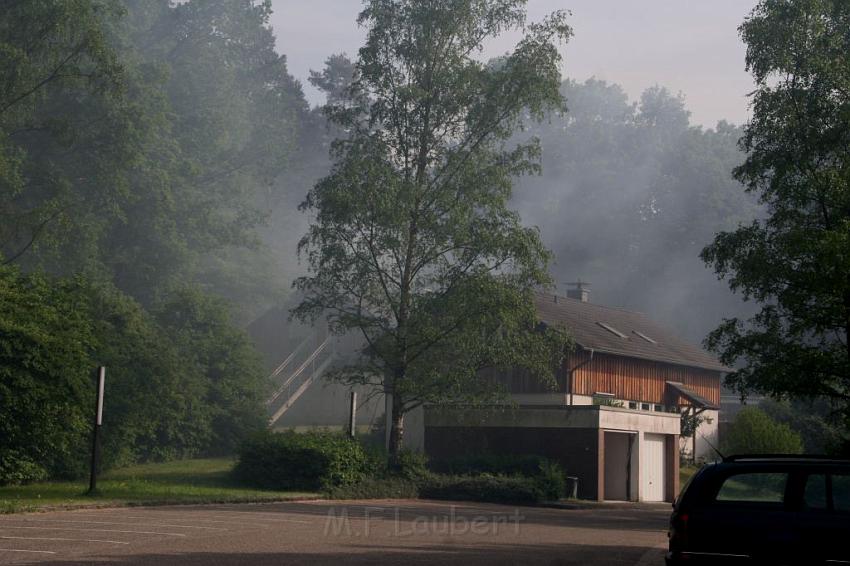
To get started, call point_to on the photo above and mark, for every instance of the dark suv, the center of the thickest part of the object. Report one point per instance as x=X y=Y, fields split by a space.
x=767 y=509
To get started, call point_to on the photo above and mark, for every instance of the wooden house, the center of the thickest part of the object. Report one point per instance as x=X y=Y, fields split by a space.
x=614 y=419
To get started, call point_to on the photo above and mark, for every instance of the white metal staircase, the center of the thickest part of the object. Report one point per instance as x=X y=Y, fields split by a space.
x=313 y=356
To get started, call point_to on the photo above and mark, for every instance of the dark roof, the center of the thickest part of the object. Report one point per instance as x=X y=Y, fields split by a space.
x=599 y=328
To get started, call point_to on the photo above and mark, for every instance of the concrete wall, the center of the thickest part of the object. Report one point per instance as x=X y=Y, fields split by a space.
x=585 y=440
x=707 y=435
x=587 y=416
x=613 y=418
x=576 y=449
x=325 y=404
x=414 y=430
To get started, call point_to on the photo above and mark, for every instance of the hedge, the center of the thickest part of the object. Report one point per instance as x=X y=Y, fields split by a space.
x=310 y=461
x=494 y=464
x=494 y=489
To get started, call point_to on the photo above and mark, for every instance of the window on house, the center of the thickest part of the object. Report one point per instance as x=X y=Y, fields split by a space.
x=612 y=330
x=632 y=405
x=644 y=406
x=645 y=337
x=659 y=408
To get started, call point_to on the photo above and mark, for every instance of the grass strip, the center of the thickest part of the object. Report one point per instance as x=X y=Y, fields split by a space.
x=180 y=482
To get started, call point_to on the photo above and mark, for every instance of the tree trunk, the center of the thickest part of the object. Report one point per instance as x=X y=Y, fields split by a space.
x=397 y=431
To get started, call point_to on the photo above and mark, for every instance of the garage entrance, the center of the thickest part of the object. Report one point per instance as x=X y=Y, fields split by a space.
x=653 y=468
x=619 y=447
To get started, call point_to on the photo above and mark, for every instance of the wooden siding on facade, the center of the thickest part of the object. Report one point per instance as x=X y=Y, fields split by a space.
x=638 y=380
x=630 y=379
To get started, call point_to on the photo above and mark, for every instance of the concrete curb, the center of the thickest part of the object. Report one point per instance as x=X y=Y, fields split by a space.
x=157 y=503
x=575 y=504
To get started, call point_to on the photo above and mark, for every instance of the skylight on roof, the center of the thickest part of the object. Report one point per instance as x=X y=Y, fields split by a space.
x=645 y=337
x=612 y=330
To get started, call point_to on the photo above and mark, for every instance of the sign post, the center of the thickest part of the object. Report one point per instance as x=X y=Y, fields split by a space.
x=98 y=421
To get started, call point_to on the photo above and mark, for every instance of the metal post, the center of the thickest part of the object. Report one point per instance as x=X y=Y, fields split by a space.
x=352 y=423
x=98 y=421
x=388 y=408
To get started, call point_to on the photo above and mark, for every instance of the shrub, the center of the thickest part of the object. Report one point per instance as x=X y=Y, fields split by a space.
x=411 y=465
x=493 y=464
x=17 y=469
x=754 y=432
x=46 y=391
x=494 y=489
x=309 y=461
x=543 y=479
x=550 y=481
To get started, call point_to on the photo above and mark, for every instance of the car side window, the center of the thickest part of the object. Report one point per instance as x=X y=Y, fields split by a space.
x=815 y=495
x=841 y=493
x=753 y=487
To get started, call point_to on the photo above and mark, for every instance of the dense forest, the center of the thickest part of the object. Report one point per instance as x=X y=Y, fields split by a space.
x=152 y=159
x=146 y=150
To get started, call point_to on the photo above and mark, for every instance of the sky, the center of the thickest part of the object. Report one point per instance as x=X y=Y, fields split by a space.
x=689 y=46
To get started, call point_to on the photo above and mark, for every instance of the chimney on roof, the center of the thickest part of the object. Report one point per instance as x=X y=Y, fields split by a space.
x=581 y=292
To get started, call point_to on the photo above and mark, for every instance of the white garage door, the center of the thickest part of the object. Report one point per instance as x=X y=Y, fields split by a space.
x=652 y=468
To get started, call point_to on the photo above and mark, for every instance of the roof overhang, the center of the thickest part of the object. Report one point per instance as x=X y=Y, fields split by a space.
x=657 y=359
x=695 y=398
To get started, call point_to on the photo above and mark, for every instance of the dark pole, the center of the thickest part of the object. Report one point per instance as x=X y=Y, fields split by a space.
x=352 y=422
x=388 y=417
x=98 y=421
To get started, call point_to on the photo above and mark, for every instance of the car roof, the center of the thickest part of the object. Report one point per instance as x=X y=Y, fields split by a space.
x=785 y=459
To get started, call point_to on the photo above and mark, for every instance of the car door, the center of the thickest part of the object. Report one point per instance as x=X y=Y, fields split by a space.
x=747 y=518
x=815 y=516
x=837 y=532
x=824 y=518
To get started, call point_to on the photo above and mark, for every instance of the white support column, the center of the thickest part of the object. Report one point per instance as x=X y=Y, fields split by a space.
x=634 y=464
x=639 y=465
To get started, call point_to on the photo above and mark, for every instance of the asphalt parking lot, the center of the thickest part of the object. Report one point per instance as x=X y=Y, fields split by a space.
x=327 y=532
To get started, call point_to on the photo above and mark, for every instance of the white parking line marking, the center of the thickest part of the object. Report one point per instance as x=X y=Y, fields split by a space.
x=234 y=520
x=275 y=520
x=98 y=531
x=242 y=520
x=124 y=524
x=66 y=539
x=219 y=516
x=19 y=550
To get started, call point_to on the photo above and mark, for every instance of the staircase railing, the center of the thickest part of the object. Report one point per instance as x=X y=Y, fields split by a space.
x=288 y=382
x=308 y=369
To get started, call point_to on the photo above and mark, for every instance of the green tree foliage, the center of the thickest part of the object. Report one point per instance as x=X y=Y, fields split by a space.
x=182 y=384
x=413 y=245
x=65 y=137
x=154 y=151
x=155 y=405
x=45 y=377
x=182 y=380
x=754 y=432
x=227 y=119
x=223 y=361
x=795 y=262
x=814 y=420
x=142 y=145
